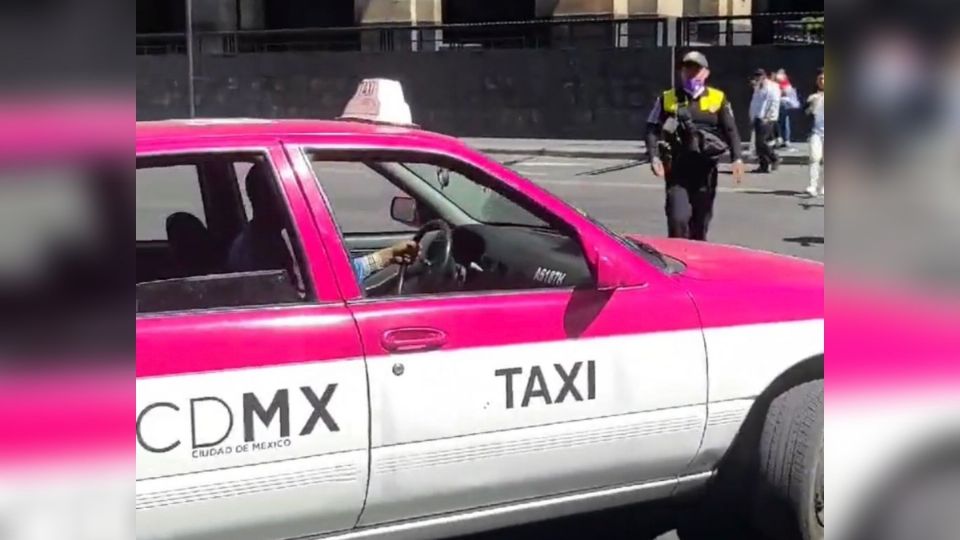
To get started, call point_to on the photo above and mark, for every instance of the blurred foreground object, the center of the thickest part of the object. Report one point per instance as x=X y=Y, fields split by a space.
x=66 y=331
x=893 y=399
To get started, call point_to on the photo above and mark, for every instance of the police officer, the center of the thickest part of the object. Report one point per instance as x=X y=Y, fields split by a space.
x=688 y=130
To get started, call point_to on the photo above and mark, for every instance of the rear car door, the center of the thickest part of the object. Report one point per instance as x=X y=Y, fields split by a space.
x=252 y=410
x=493 y=396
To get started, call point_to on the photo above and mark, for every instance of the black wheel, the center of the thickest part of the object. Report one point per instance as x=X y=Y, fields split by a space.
x=790 y=498
x=770 y=486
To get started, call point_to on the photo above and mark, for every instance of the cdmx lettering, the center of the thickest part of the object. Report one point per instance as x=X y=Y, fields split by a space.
x=252 y=413
x=537 y=387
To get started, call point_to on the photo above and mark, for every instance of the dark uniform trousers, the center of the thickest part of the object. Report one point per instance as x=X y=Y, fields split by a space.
x=691 y=188
x=763 y=136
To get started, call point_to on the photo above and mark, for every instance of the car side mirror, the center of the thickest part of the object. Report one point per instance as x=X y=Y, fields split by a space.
x=404 y=210
x=606 y=271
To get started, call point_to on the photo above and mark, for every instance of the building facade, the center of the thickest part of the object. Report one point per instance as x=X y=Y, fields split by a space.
x=158 y=16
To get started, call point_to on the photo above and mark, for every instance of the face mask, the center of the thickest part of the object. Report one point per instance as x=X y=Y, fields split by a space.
x=694 y=86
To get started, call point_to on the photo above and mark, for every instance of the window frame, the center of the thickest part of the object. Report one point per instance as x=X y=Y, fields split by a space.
x=305 y=151
x=303 y=262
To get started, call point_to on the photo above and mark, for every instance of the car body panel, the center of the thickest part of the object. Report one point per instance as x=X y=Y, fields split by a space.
x=449 y=424
x=763 y=315
x=247 y=440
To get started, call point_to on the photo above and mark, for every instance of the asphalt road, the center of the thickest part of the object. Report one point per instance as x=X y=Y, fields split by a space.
x=639 y=522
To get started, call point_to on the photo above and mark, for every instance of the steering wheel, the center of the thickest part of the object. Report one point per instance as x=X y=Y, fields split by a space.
x=435 y=261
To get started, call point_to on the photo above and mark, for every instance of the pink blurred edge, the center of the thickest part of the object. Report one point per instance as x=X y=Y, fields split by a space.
x=66 y=417
x=47 y=126
x=883 y=338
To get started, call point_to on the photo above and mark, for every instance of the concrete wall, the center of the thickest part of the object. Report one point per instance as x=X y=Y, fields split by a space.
x=602 y=94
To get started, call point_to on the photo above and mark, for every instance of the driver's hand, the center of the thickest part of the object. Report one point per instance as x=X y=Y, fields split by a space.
x=404 y=252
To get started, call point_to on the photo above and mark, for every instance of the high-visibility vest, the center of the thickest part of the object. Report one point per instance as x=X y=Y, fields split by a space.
x=710 y=101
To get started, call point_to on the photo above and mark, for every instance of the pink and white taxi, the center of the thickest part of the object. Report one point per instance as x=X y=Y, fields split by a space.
x=296 y=378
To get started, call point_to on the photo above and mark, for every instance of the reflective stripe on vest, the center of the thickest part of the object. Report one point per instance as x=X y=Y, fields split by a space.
x=710 y=101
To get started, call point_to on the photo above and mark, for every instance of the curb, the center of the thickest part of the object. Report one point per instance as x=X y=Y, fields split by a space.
x=599 y=154
x=786 y=159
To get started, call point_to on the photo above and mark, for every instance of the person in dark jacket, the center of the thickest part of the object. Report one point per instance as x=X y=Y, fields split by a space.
x=688 y=130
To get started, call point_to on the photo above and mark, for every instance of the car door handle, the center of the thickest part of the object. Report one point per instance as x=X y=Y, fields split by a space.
x=403 y=340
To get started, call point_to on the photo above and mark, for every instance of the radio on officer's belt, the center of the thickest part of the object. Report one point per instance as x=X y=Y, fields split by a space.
x=679 y=129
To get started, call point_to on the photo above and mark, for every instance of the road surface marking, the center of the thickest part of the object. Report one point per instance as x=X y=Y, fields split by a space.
x=552 y=164
x=651 y=186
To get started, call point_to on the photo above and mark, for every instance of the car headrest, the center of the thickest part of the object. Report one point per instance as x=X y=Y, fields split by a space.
x=185 y=226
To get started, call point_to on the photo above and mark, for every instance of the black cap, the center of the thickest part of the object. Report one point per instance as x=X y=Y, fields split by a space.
x=759 y=72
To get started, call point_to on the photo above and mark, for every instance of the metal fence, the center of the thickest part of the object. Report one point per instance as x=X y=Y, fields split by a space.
x=787 y=29
x=601 y=33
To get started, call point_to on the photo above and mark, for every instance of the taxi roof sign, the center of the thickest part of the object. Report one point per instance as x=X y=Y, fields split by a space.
x=379 y=101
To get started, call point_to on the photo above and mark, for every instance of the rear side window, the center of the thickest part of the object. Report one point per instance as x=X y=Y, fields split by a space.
x=163 y=190
x=214 y=232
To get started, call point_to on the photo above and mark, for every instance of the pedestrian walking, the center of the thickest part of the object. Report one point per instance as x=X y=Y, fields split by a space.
x=689 y=128
x=815 y=109
x=789 y=103
x=764 y=113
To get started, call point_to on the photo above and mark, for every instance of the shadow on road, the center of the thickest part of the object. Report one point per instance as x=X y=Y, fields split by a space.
x=774 y=192
x=811 y=203
x=650 y=521
x=805 y=241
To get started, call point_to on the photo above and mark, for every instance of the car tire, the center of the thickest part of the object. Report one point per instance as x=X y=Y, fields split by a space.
x=771 y=487
x=789 y=494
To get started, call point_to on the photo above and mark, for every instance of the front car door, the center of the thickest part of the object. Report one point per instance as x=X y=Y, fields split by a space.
x=489 y=396
x=252 y=410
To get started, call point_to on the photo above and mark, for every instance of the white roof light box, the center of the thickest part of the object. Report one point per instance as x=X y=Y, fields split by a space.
x=379 y=101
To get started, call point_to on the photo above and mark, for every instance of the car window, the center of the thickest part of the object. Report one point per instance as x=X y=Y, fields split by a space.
x=360 y=197
x=479 y=202
x=498 y=243
x=240 y=170
x=213 y=231
x=160 y=192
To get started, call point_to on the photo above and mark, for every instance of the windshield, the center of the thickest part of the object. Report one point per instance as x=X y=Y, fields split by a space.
x=643 y=249
x=477 y=201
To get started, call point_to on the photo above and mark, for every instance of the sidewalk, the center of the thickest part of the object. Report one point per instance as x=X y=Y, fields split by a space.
x=599 y=149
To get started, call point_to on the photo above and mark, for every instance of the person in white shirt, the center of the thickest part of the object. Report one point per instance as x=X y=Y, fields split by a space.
x=815 y=109
x=764 y=113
